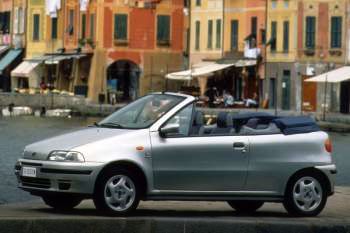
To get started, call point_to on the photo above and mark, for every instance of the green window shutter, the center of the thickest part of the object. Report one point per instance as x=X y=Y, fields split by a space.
x=218 y=33
x=36 y=27
x=234 y=34
x=286 y=36
x=210 y=34
x=254 y=26
x=310 y=32
x=163 y=28
x=336 y=32
x=53 y=28
x=198 y=31
x=92 y=27
x=120 y=27
x=273 y=36
x=83 y=26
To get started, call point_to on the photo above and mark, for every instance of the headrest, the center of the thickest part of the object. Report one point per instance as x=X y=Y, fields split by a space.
x=252 y=123
x=225 y=120
x=198 y=119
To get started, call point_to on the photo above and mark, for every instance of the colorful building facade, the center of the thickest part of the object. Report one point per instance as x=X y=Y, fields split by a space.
x=206 y=30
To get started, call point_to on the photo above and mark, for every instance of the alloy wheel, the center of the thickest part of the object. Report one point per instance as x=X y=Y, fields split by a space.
x=307 y=194
x=119 y=193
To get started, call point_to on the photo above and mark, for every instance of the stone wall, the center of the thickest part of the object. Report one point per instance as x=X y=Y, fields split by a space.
x=37 y=101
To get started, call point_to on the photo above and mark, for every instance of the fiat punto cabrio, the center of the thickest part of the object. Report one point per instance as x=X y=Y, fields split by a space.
x=159 y=147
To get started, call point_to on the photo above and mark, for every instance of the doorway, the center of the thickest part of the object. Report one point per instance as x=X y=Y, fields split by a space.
x=345 y=97
x=122 y=81
x=286 y=90
x=309 y=95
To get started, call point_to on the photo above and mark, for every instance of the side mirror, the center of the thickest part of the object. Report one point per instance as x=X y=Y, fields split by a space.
x=170 y=129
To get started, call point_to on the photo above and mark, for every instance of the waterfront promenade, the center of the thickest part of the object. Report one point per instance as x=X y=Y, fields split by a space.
x=175 y=217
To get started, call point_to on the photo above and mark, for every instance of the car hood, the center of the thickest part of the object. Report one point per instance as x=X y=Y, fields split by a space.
x=40 y=150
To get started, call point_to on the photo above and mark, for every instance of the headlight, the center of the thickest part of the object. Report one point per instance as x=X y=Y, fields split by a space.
x=66 y=156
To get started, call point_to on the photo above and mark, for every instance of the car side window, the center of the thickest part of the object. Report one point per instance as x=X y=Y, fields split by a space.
x=181 y=122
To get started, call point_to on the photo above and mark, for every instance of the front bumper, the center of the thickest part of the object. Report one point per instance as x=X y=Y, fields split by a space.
x=330 y=171
x=63 y=177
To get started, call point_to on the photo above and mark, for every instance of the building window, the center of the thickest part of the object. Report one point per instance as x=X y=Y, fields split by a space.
x=274 y=4
x=218 y=33
x=92 y=27
x=273 y=36
x=83 y=26
x=234 y=35
x=310 y=32
x=286 y=4
x=286 y=36
x=5 y=22
x=163 y=29
x=71 y=22
x=263 y=35
x=336 y=32
x=197 y=38
x=53 y=28
x=198 y=2
x=36 y=27
x=210 y=34
x=120 y=27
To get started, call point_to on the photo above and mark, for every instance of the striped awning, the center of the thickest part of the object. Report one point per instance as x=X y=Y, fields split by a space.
x=9 y=58
x=24 y=69
x=3 y=48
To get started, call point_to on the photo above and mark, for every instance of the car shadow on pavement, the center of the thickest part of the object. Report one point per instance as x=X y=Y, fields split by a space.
x=141 y=213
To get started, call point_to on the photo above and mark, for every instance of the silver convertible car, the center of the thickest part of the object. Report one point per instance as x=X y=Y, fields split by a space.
x=159 y=147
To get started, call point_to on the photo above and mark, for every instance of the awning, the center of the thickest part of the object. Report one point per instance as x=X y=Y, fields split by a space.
x=24 y=69
x=203 y=71
x=334 y=76
x=3 y=48
x=9 y=58
x=55 y=59
x=244 y=63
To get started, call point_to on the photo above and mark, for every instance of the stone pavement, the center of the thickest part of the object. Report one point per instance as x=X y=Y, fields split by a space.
x=174 y=216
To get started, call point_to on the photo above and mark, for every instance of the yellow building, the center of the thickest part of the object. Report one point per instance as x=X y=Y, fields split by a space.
x=206 y=30
x=282 y=50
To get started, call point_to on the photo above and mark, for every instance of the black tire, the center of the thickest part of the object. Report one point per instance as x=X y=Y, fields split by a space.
x=62 y=202
x=99 y=194
x=291 y=205
x=246 y=207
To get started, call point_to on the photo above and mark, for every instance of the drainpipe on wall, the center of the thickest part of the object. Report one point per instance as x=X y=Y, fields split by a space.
x=223 y=29
x=265 y=47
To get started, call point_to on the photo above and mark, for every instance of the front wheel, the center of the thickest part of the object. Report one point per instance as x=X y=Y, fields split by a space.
x=305 y=195
x=117 y=192
x=246 y=207
x=62 y=202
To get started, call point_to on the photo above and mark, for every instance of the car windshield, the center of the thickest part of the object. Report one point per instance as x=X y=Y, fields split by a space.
x=141 y=113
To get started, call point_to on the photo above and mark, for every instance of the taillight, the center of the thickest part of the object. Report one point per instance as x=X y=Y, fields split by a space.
x=328 y=145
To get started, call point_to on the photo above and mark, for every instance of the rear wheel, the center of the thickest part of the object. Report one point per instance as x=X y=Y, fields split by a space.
x=246 y=207
x=62 y=202
x=117 y=192
x=305 y=195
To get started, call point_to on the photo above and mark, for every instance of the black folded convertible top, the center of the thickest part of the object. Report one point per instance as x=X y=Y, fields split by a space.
x=288 y=125
x=296 y=125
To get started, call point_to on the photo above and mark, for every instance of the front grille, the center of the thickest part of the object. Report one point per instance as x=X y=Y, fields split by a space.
x=35 y=182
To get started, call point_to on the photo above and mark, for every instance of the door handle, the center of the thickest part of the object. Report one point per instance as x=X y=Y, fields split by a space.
x=240 y=146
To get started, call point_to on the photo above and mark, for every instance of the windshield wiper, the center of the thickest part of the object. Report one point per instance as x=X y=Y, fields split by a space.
x=110 y=125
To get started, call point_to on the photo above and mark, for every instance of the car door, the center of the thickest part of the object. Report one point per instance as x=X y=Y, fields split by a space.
x=198 y=163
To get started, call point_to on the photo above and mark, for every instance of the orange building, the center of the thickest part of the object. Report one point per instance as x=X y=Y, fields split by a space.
x=137 y=44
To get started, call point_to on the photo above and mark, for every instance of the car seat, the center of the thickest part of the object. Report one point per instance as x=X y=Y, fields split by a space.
x=198 y=124
x=224 y=123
